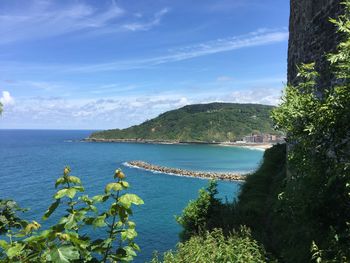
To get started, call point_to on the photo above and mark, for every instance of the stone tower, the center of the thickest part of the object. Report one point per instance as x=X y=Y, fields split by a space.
x=312 y=35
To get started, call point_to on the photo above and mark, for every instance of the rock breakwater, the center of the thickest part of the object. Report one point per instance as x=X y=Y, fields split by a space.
x=181 y=172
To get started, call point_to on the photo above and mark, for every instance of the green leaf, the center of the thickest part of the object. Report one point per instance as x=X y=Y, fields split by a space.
x=100 y=245
x=99 y=221
x=64 y=254
x=130 y=251
x=78 y=241
x=51 y=209
x=43 y=235
x=131 y=224
x=114 y=187
x=100 y=198
x=71 y=192
x=70 y=222
x=61 y=193
x=74 y=179
x=134 y=246
x=14 y=250
x=127 y=199
x=3 y=244
x=79 y=188
x=125 y=184
x=129 y=234
x=59 y=181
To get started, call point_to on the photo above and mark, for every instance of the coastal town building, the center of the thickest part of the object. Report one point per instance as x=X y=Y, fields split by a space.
x=262 y=138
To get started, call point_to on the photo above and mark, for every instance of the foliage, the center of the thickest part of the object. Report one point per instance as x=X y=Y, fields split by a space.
x=200 y=123
x=259 y=207
x=8 y=217
x=0 y=108
x=215 y=247
x=67 y=240
x=205 y=213
x=317 y=193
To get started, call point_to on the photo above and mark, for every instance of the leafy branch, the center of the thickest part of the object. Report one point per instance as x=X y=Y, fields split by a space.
x=67 y=240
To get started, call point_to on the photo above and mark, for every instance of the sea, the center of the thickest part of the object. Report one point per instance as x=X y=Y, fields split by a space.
x=31 y=161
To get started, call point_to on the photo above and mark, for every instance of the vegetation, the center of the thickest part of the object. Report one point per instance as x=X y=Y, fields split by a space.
x=213 y=246
x=68 y=240
x=258 y=207
x=205 y=213
x=202 y=123
x=318 y=127
x=8 y=216
x=300 y=211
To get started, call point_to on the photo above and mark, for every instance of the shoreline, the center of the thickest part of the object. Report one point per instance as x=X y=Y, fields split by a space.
x=252 y=146
x=234 y=177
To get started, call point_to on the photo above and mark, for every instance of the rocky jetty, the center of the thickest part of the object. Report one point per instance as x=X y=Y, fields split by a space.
x=182 y=172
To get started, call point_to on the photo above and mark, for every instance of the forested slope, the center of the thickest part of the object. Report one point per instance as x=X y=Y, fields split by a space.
x=200 y=122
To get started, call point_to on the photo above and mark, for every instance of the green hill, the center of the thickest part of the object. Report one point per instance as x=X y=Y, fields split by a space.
x=217 y=122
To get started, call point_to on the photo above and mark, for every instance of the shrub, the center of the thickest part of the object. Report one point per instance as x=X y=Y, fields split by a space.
x=238 y=247
x=317 y=194
x=67 y=241
x=205 y=213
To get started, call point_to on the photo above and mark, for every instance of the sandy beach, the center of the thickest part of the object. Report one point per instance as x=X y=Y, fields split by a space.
x=252 y=146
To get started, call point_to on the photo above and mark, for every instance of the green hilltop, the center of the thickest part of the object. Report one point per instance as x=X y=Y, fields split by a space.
x=213 y=122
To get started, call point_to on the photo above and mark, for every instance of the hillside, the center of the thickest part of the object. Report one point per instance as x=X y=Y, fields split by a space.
x=198 y=123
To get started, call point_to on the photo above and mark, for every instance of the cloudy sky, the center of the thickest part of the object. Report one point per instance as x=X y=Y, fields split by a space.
x=93 y=64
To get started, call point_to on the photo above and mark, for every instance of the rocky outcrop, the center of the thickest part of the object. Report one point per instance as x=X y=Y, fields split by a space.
x=182 y=172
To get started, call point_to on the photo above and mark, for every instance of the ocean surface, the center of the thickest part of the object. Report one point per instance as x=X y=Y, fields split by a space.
x=31 y=161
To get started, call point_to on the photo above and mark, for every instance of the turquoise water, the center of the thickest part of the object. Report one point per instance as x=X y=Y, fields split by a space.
x=31 y=160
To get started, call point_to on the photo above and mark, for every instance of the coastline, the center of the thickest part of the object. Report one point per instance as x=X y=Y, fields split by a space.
x=236 y=177
x=252 y=146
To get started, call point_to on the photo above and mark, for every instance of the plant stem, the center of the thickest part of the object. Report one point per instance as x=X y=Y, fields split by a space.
x=111 y=229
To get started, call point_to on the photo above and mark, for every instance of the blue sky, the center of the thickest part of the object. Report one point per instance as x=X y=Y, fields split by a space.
x=97 y=64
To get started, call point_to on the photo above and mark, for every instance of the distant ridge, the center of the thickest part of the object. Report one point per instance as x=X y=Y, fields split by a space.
x=213 y=122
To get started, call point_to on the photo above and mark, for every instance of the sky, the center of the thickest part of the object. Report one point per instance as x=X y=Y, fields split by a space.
x=101 y=64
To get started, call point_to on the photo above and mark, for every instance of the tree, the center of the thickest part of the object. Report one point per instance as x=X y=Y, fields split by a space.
x=318 y=127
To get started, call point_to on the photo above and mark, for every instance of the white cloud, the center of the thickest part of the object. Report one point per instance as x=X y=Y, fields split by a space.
x=42 y=19
x=144 y=26
x=257 y=38
x=266 y=96
x=115 y=112
x=94 y=113
x=6 y=99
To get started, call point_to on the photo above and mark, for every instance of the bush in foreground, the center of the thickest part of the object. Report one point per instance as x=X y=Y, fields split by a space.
x=238 y=247
x=67 y=240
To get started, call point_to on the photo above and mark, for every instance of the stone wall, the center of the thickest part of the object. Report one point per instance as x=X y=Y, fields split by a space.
x=312 y=35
